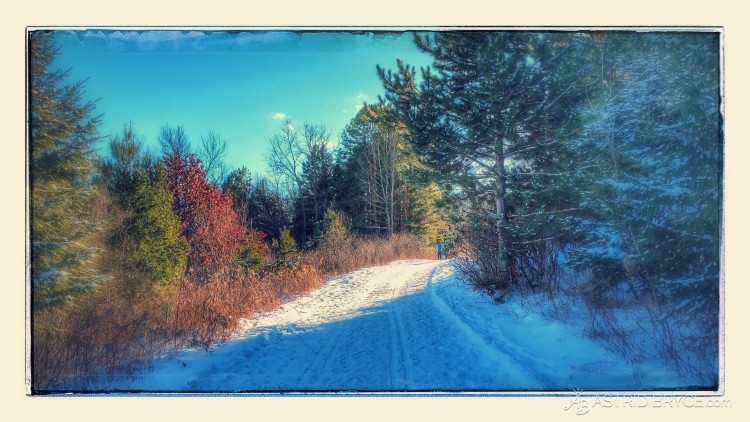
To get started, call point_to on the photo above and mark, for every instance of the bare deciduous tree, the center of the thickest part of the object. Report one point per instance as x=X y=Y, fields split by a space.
x=285 y=162
x=212 y=152
x=174 y=141
x=379 y=174
x=286 y=158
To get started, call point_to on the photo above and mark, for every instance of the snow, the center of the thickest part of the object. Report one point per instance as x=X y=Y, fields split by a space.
x=410 y=326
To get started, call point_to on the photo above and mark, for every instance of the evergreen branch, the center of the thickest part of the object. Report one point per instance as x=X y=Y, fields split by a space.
x=528 y=242
x=555 y=174
x=543 y=213
x=530 y=147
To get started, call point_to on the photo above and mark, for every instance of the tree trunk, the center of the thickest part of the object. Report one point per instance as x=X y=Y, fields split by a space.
x=502 y=260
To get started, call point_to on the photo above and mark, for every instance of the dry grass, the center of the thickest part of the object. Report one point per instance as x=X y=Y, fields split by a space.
x=113 y=333
x=107 y=334
x=362 y=252
x=102 y=334
x=208 y=313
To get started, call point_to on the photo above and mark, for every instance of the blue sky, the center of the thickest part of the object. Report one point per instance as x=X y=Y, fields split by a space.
x=241 y=85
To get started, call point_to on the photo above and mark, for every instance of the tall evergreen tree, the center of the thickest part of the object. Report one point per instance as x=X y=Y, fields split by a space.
x=420 y=200
x=150 y=235
x=353 y=192
x=655 y=212
x=317 y=174
x=238 y=184
x=63 y=136
x=493 y=117
x=266 y=207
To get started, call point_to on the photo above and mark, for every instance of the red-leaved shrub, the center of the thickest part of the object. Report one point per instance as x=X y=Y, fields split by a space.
x=209 y=221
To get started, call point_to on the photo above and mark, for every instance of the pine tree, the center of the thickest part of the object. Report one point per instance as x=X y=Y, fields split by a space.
x=254 y=252
x=63 y=136
x=317 y=174
x=421 y=215
x=151 y=233
x=238 y=183
x=353 y=191
x=419 y=207
x=331 y=230
x=655 y=211
x=266 y=208
x=494 y=119
x=285 y=249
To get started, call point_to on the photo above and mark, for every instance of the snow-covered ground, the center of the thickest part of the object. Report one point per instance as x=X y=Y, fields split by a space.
x=411 y=325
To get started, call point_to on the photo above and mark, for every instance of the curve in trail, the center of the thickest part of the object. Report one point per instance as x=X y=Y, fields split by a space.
x=377 y=329
x=445 y=352
x=494 y=346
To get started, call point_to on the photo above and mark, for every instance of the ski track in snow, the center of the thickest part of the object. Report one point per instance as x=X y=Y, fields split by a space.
x=411 y=325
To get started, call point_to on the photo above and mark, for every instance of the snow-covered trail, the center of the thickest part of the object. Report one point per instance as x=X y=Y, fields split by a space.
x=408 y=326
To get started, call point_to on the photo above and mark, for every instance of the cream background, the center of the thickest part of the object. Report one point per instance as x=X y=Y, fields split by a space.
x=19 y=15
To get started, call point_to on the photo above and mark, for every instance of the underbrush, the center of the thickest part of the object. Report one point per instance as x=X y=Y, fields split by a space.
x=356 y=252
x=109 y=335
x=649 y=321
x=115 y=331
x=642 y=330
x=648 y=330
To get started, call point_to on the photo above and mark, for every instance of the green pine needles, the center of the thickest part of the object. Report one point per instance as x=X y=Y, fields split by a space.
x=63 y=132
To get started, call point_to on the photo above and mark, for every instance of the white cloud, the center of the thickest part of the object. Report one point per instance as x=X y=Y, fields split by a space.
x=360 y=100
x=147 y=40
x=279 y=116
x=159 y=40
x=267 y=40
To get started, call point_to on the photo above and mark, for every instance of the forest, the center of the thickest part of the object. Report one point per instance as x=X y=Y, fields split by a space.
x=552 y=164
